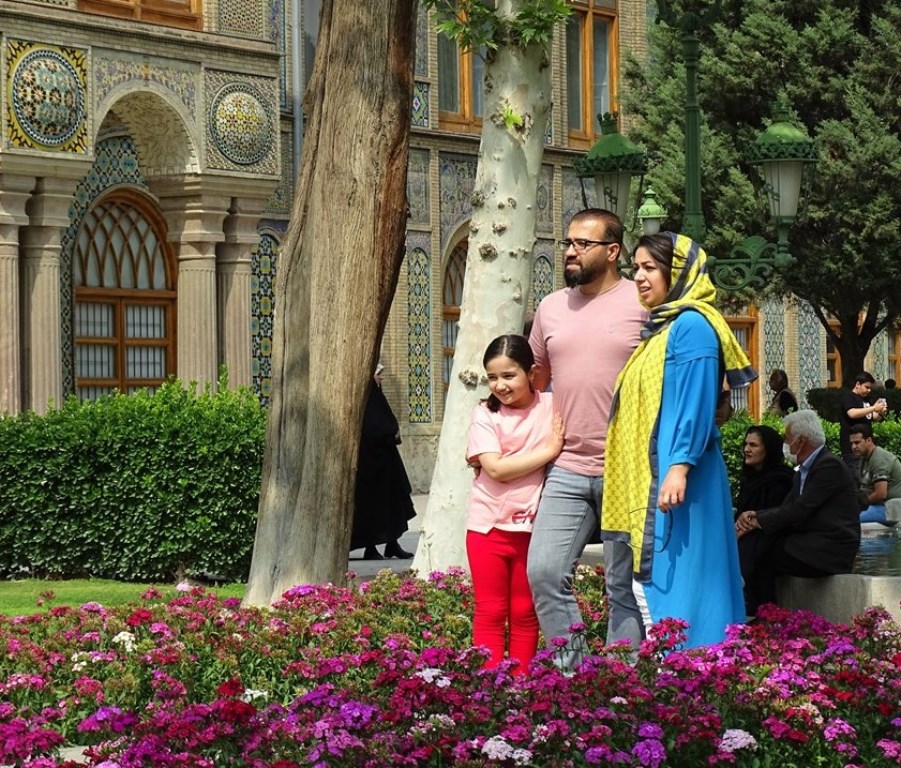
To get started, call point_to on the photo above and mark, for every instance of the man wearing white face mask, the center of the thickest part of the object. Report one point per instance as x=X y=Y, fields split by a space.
x=814 y=532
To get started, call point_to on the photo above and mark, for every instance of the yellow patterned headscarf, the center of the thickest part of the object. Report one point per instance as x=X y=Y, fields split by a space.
x=630 y=474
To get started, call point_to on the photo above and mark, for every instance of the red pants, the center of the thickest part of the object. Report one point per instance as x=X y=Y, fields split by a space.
x=497 y=561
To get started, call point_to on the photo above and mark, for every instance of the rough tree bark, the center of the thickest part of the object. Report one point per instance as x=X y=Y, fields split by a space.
x=498 y=271
x=337 y=275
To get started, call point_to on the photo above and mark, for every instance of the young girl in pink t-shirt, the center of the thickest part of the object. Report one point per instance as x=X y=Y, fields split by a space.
x=513 y=435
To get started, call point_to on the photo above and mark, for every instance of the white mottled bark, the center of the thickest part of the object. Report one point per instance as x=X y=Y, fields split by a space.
x=498 y=273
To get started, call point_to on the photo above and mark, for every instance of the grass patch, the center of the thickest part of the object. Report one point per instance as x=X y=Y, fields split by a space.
x=28 y=596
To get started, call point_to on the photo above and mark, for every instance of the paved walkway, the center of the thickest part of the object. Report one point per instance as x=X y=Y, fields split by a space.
x=593 y=554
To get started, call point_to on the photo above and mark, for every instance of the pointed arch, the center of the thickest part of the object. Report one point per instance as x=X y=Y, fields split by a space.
x=124 y=276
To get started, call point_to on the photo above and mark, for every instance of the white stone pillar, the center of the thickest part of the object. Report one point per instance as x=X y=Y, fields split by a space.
x=234 y=277
x=14 y=194
x=48 y=215
x=194 y=214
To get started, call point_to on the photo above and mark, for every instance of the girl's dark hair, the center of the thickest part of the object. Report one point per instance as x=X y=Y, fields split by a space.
x=661 y=249
x=515 y=347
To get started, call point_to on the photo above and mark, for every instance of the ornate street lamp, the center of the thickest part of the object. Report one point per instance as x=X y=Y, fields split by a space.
x=651 y=214
x=612 y=163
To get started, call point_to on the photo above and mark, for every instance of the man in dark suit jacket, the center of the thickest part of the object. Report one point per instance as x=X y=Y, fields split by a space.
x=815 y=531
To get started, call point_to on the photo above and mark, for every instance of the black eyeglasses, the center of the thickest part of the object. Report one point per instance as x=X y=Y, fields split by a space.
x=581 y=244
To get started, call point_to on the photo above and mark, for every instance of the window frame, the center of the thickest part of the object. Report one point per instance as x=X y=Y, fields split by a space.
x=450 y=313
x=749 y=321
x=591 y=127
x=122 y=298
x=169 y=13
x=893 y=353
x=463 y=120
x=833 y=357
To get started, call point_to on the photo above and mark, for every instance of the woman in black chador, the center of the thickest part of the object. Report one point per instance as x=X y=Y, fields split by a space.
x=382 y=503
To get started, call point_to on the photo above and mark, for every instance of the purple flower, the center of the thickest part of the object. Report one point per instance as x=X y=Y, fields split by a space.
x=649 y=752
x=650 y=731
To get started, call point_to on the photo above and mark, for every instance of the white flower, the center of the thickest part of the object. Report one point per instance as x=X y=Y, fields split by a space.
x=250 y=694
x=522 y=757
x=496 y=748
x=432 y=675
x=735 y=739
x=126 y=640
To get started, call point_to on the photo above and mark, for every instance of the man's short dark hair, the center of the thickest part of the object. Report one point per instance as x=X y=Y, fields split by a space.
x=864 y=378
x=864 y=430
x=613 y=227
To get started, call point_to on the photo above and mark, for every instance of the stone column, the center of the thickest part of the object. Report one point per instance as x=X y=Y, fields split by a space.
x=14 y=194
x=234 y=274
x=194 y=209
x=48 y=215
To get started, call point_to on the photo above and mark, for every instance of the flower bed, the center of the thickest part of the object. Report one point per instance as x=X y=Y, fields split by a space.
x=383 y=676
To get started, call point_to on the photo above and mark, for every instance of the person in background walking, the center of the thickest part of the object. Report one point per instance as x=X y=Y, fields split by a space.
x=784 y=400
x=382 y=502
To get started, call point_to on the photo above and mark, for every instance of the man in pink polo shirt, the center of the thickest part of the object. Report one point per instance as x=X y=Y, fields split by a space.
x=582 y=337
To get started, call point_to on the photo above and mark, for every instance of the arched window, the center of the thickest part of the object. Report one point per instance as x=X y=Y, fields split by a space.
x=123 y=273
x=452 y=298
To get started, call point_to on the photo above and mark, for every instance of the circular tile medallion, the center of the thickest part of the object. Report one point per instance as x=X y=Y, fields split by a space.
x=240 y=126
x=47 y=97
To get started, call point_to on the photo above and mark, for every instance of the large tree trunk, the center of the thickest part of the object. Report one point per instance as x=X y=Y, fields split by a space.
x=498 y=274
x=337 y=276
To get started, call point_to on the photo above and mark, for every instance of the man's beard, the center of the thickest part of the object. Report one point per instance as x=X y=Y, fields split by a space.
x=583 y=276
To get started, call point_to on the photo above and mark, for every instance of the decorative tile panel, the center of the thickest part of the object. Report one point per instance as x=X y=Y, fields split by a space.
x=283 y=198
x=419 y=325
x=879 y=354
x=181 y=81
x=421 y=62
x=544 y=214
x=420 y=104
x=418 y=187
x=542 y=271
x=456 y=179
x=264 y=262
x=573 y=202
x=46 y=95
x=238 y=17
x=773 y=335
x=241 y=129
x=115 y=162
x=811 y=352
x=276 y=24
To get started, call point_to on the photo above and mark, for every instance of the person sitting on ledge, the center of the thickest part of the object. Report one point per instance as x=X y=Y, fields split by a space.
x=880 y=474
x=814 y=532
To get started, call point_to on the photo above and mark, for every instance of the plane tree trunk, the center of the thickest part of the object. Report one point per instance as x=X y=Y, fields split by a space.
x=498 y=271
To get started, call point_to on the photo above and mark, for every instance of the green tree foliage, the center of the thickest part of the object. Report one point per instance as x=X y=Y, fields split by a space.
x=839 y=63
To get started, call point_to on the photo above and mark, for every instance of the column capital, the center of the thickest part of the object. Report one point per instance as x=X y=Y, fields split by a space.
x=49 y=202
x=194 y=209
x=14 y=193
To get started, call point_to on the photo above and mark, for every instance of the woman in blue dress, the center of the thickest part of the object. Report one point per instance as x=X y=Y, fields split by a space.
x=666 y=490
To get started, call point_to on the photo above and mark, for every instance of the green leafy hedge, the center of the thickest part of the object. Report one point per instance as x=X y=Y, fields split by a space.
x=827 y=401
x=138 y=487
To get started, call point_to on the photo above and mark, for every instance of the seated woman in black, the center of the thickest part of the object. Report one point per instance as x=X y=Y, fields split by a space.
x=765 y=477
